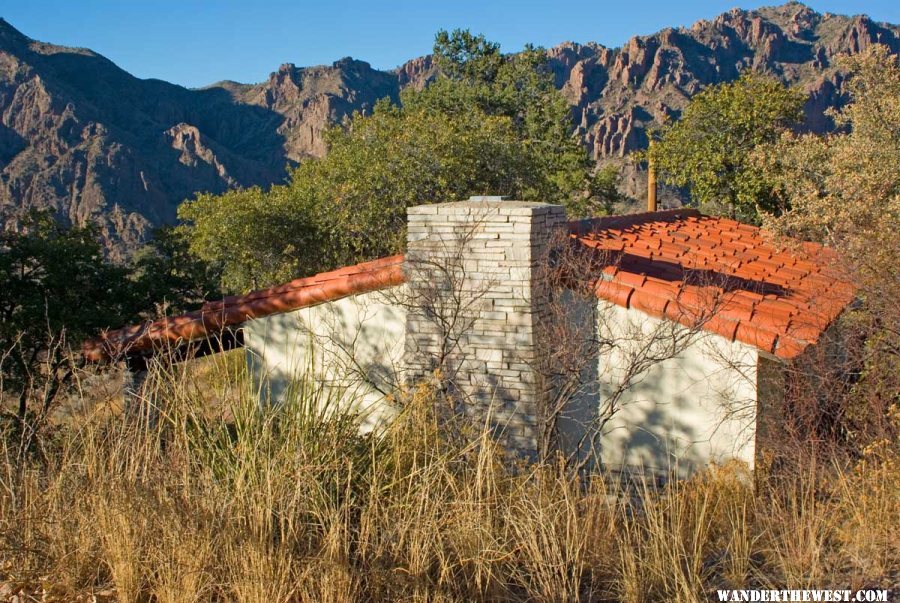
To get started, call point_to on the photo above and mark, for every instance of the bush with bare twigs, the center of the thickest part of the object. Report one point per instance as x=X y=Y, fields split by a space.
x=220 y=501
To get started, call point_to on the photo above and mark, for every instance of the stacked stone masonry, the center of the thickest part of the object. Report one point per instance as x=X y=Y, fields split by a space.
x=474 y=270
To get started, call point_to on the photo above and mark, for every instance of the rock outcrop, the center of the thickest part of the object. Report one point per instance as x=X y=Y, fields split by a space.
x=617 y=94
x=90 y=142
x=309 y=99
x=85 y=139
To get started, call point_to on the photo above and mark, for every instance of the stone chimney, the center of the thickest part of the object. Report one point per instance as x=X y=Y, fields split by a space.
x=475 y=272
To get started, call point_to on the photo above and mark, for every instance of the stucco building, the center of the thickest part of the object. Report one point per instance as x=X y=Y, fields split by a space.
x=654 y=341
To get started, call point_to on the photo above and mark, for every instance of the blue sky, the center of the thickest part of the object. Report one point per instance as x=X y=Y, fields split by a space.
x=195 y=42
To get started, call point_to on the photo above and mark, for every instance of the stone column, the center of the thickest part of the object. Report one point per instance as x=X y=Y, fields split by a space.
x=475 y=273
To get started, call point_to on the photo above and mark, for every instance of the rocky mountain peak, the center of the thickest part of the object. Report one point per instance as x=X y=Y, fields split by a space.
x=85 y=139
x=11 y=39
x=416 y=73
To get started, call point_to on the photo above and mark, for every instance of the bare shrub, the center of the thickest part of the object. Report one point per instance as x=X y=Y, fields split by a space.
x=296 y=506
x=583 y=340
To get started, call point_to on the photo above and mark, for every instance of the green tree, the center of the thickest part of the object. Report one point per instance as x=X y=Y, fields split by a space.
x=253 y=237
x=491 y=124
x=463 y=56
x=843 y=190
x=57 y=289
x=708 y=149
x=601 y=197
x=519 y=87
x=351 y=205
x=167 y=274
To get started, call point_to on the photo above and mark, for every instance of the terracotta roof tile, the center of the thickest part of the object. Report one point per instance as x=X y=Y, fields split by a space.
x=777 y=299
x=233 y=310
x=753 y=335
x=730 y=277
x=615 y=292
x=649 y=302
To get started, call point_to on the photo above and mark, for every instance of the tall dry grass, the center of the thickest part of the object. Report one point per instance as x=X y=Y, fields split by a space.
x=219 y=501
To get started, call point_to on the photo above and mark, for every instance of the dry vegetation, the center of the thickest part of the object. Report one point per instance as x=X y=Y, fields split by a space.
x=215 y=500
x=291 y=506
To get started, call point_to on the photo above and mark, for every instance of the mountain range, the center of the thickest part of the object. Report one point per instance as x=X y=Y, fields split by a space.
x=94 y=144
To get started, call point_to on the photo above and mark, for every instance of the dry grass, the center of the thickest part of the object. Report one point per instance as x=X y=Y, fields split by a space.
x=295 y=506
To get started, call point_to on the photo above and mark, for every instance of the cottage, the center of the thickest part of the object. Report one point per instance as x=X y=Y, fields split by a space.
x=655 y=340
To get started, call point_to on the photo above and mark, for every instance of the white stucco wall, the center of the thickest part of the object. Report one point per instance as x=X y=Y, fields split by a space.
x=682 y=413
x=353 y=346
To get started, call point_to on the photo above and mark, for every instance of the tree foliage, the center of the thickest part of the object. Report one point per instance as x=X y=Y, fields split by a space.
x=490 y=124
x=251 y=236
x=165 y=273
x=58 y=289
x=843 y=190
x=460 y=55
x=708 y=149
x=55 y=284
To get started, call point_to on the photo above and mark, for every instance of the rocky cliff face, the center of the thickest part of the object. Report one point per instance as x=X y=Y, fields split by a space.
x=84 y=138
x=617 y=94
x=312 y=98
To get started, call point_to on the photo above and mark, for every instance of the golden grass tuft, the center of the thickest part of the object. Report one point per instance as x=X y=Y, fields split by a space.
x=240 y=504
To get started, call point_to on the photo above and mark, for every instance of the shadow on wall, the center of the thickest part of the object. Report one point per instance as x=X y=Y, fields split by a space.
x=352 y=346
x=689 y=410
x=654 y=437
x=679 y=414
x=486 y=403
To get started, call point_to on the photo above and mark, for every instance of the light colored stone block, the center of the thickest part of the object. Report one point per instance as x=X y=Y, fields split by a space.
x=499 y=242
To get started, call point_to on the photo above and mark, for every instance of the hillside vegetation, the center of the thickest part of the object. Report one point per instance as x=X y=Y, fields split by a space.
x=216 y=499
x=91 y=143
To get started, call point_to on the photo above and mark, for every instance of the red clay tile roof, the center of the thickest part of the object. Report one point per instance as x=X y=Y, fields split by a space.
x=673 y=263
x=669 y=264
x=215 y=316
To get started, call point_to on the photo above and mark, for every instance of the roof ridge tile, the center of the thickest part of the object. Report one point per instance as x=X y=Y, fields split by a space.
x=233 y=310
x=772 y=287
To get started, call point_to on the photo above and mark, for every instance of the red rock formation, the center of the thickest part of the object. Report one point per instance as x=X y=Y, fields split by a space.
x=87 y=140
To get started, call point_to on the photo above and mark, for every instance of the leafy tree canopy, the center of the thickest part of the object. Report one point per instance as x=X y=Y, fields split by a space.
x=490 y=124
x=55 y=281
x=58 y=289
x=463 y=56
x=167 y=274
x=708 y=149
x=843 y=190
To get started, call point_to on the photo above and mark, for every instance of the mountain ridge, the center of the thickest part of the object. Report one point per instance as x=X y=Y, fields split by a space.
x=92 y=143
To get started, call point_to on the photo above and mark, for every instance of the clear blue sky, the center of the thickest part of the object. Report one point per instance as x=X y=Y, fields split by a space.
x=195 y=42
